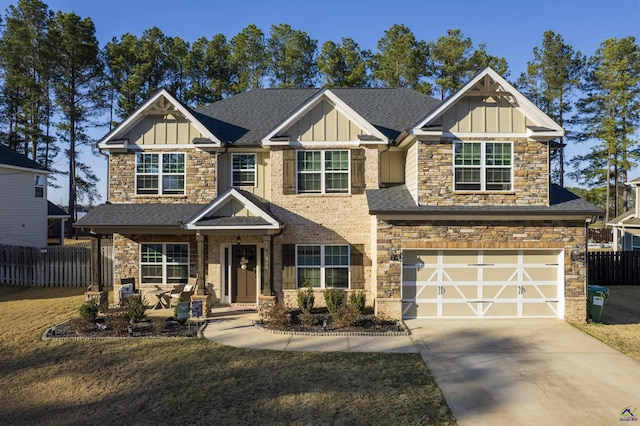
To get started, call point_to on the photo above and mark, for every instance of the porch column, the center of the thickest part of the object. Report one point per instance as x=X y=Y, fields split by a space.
x=200 y=249
x=266 y=262
x=96 y=265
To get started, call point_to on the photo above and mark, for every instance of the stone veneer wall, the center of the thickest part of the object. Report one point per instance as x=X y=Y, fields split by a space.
x=479 y=235
x=322 y=219
x=200 y=178
x=530 y=176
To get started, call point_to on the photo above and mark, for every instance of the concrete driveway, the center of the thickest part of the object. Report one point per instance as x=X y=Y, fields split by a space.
x=521 y=372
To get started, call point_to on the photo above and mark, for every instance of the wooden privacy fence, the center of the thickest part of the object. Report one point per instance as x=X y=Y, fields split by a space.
x=53 y=266
x=600 y=235
x=609 y=268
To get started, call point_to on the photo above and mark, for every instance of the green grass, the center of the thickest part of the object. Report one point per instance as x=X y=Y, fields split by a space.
x=194 y=381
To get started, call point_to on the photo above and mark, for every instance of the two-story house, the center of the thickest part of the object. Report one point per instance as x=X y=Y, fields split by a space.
x=434 y=209
x=24 y=207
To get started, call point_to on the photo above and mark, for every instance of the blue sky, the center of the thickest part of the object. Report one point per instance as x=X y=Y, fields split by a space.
x=510 y=28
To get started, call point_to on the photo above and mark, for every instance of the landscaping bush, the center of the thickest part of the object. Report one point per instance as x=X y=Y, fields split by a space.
x=117 y=319
x=333 y=297
x=358 y=299
x=306 y=299
x=307 y=318
x=345 y=316
x=279 y=315
x=159 y=324
x=89 y=310
x=135 y=307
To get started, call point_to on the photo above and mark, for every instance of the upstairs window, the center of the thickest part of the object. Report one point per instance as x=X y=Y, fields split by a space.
x=483 y=166
x=39 y=186
x=243 y=169
x=323 y=171
x=160 y=174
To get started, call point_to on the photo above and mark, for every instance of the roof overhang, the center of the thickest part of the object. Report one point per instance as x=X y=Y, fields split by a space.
x=26 y=169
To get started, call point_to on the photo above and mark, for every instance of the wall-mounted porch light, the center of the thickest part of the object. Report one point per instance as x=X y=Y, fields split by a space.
x=238 y=240
x=394 y=255
x=575 y=254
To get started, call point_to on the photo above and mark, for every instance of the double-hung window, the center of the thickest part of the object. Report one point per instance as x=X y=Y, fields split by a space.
x=483 y=166
x=323 y=172
x=323 y=266
x=39 y=186
x=160 y=174
x=164 y=263
x=243 y=169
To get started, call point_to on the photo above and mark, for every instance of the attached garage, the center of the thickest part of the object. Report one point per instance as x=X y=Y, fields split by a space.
x=482 y=283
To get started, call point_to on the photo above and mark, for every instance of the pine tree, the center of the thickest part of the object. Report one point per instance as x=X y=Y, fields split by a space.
x=344 y=64
x=249 y=58
x=292 y=55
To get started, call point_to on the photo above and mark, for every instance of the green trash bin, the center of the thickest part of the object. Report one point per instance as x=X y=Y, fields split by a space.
x=597 y=296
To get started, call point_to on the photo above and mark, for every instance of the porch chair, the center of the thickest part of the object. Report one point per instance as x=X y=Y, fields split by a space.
x=127 y=288
x=182 y=291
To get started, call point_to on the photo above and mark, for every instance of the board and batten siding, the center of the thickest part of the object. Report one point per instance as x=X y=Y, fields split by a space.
x=262 y=189
x=163 y=130
x=392 y=167
x=323 y=123
x=411 y=171
x=23 y=216
x=484 y=115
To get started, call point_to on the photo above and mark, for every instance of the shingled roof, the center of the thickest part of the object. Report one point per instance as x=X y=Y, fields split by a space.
x=12 y=158
x=246 y=118
x=398 y=200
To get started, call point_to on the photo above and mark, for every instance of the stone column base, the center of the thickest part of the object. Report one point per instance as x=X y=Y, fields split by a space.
x=575 y=309
x=206 y=303
x=388 y=308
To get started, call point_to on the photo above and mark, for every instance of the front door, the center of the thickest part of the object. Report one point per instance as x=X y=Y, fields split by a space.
x=243 y=274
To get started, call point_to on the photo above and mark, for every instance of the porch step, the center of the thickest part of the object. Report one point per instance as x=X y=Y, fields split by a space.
x=243 y=307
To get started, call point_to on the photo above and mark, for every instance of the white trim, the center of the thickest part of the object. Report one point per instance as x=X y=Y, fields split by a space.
x=323 y=172
x=223 y=199
x=338 y=104
x=522 y=103
x=255 y=169
x=136 y=116
x=323 y=266
x=483 y=168
x=160 y=174
x=164 y=260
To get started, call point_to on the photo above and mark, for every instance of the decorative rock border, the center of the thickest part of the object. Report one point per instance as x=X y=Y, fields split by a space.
x=50 y=335
x=405 y=332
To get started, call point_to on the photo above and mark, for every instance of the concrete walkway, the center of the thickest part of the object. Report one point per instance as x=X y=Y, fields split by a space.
x=491 y=372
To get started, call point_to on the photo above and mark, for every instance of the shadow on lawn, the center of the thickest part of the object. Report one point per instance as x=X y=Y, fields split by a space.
x=621 y=307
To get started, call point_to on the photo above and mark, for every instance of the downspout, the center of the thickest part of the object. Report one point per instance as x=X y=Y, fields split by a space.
x=586 y=260
x=108 y=167
x=271 y=254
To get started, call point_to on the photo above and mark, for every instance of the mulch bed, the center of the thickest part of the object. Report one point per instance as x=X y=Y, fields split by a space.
x=78 y=328
x=367 y=324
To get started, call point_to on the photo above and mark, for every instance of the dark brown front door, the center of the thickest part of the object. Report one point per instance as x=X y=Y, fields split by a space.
x=243 y=271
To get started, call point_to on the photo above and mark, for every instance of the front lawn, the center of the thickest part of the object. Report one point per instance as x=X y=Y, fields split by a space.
x=620 y=326
x=193 y=381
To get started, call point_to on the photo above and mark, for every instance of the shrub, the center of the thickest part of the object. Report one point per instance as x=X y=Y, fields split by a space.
x=159 y=324
x=89 y=310
x=345 y=316
x=279 y=315
x=135 y=307
x=333 y=297
x=306 y=299
x=117 y=319
x=307 y=318
x=358 y=299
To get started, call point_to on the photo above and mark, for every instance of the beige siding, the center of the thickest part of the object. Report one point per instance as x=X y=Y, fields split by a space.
x=232 y=208
x=160 y=130
x=263 y=173
x=392 y=167
x=23 y=216
x=411 y=170
x=323 y=123
x=484 y=115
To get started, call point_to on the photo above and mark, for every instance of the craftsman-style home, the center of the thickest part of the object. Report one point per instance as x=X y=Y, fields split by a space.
x=434 y=209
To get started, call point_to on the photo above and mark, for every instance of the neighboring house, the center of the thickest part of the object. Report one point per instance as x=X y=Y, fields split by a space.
x=23 y=195
x=56 y=222
x=434 y=209
x=626 y=227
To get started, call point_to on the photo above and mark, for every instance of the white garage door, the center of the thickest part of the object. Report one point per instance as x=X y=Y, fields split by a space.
x=481 y=283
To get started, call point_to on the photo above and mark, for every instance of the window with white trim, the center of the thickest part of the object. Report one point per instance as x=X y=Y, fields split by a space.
x=164 y=263
x=323 y=172
x=483 y=166
x=635 y=243
x=38 y=184
x=160 y=174
x=243 y=170
x=322 y=266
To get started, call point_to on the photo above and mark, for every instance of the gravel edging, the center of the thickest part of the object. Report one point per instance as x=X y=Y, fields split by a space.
x=264 y=329
x=49 y=335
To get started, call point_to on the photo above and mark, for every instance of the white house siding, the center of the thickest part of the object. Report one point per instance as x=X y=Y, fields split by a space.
x=23 y=217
